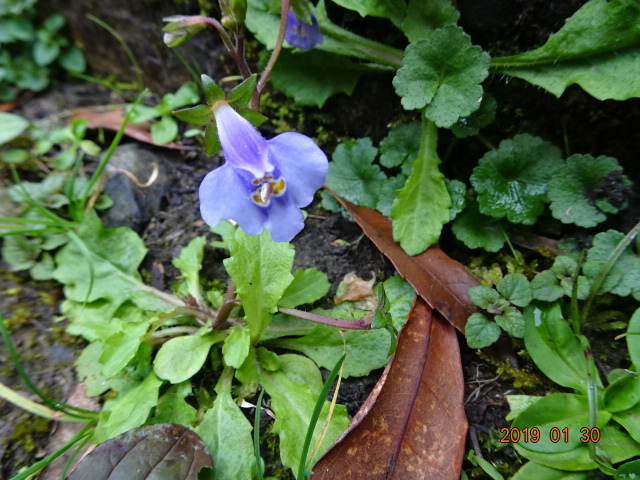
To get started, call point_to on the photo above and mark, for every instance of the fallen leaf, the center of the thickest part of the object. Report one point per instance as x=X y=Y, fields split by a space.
x=438 y=279
x=112 y=120
x=413 y=425
x=359 y=291
x=155 y=451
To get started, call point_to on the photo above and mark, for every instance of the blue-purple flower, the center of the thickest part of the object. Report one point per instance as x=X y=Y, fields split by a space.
x=302 y=35
x=263 y=183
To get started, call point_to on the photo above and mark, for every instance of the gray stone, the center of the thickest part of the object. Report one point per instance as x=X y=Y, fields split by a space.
x=134 y=206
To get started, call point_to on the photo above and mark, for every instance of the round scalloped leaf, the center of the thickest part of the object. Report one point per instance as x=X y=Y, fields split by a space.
x=512 y=181
x=573 y=190
x=442 y=72
x=161 y=451
x=481 y=332
x=476 y=230
x=628 y=263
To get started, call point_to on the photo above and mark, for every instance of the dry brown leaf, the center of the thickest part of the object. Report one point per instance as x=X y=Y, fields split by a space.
x=359 y=291
x=413 y=425
x=438 y=279
x=112 y=120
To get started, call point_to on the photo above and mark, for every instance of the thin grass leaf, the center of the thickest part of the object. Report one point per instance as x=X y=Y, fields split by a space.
x=256 y=438
x=302 y=470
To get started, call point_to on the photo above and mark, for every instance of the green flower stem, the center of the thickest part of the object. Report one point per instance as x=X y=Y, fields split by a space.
x=364 y=48
x=334 y=322
x=109 y=153
x=264 y=78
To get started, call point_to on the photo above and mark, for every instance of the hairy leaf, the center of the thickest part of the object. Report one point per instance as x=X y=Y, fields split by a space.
x=512 y=181
x=442 y=72
x=425 y=16
x=628 y=263
x=307 y=286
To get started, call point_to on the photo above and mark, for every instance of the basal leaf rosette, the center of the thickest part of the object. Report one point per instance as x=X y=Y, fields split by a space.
x=442 y=73
x=586 y=188
x=512 y=180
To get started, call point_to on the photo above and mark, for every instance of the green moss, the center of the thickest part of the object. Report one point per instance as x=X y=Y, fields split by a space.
x=520 y=378
x=28 y=433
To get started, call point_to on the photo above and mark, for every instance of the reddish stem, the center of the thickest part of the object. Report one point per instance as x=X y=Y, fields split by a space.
x=334 y=322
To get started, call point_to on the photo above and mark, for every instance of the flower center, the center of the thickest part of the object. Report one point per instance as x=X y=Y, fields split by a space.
x=267 y=187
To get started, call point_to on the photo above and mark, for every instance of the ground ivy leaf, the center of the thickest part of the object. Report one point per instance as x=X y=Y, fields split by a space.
x=181 y=358
x=424 y=16
x=190 y=262
x=628 y=263
x=481 y=332
x=402 y=144
x=544 y=286
x=573 y=189
x=310 y=78
x=422 y=206
x=293 y=405
x=172 y=407
x=597 y=48
x=457 y=192
x=512 y=322
x=236 y=347
x=130 y=411
x=307 y=286
x=227 y=434
x=261 y=271
x=515 y=288
x=512 y=181
x=442 y=72
x=366 y=349
x=352 y=174
x=483 y=296
x=476 y=230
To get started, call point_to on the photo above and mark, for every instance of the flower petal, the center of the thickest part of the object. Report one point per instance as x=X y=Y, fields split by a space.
x=285 y=220
x=302 y=164
x=242 y=144
x=225 y=195
x=302 y=35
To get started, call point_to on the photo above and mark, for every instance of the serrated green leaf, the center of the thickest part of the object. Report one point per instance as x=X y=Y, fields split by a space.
x=400 y=295
x=366 y=349
x=628 y=263
x=41 y=192
x=181 y=358
x=574 y=189
x=261 y=271
x=121 y=347
x=515 y=288
x=480 y=332
x=212 y=91
x=236 y=347
x=240 y=96
x=130 y=411
x=352 y=174
x=402 y=144
x=544 y=286
x=483 y=296
x=512 y=181
x=190 y=262
x=442 y=72
x=476 y=230
x=198 y=115
x=172 y=407
x=597 y=48
x=457 y=192
x=307 y=286
x=512 y=322
x=164 y=131
x=227 y=231
x=11 y=126
x=424 y=16
x=227 y=434
x=422 y=206
x=293 y=405
x=311 y=77
x=115 y=254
